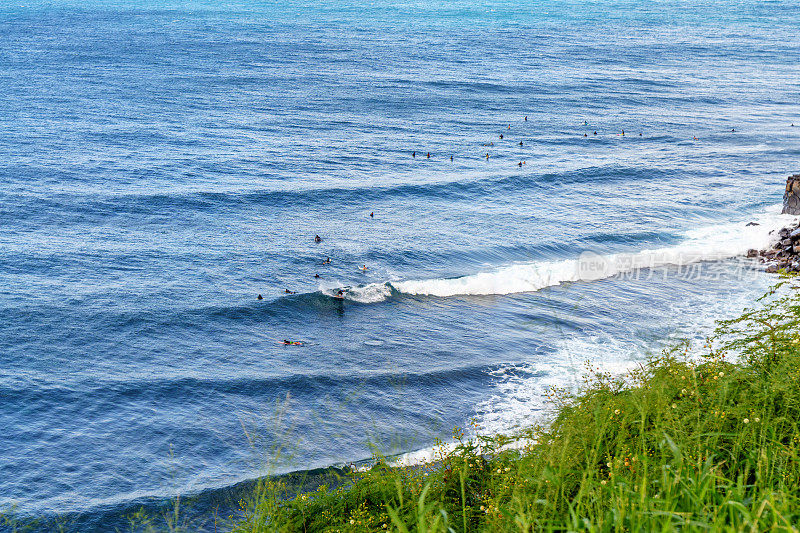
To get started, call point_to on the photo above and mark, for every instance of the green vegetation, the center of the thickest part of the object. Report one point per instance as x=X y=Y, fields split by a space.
x=678 y=444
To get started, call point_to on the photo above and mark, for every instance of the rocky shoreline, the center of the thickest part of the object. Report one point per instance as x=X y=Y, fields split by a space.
x=785 y=254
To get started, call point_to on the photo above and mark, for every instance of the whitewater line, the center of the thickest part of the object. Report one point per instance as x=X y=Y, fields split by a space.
x=711 y=243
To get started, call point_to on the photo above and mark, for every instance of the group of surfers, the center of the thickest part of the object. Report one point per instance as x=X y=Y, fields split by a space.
x=339 y=293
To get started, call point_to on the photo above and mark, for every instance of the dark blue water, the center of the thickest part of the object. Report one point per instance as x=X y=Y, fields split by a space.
x=164 y=162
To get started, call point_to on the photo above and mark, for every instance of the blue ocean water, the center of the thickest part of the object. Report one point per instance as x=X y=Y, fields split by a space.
x=165 y=162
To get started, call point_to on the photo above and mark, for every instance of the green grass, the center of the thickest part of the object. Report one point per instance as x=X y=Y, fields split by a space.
x=678 y=444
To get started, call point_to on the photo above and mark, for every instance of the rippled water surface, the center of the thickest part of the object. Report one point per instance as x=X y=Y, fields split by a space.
x=165 y=162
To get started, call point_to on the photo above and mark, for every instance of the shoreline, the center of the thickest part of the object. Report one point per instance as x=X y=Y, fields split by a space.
x=784 y=255
x=671 y=427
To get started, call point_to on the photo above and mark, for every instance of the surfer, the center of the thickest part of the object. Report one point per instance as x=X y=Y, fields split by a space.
x=340 y=294
x=291 y=343
x=487 y=156
x=363 y=268
x=372 y=214
x=520 y=164
x=501 y=135
x=414 y=154
x=451 y=158
x=595 y=133
x=259 y=297
x=520 y=143
x=317 y=239
x=287 y=291
x=327 y=261
x=316 y=276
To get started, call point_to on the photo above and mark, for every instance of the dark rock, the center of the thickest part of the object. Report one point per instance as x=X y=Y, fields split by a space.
x=795 y=235
x=791 y=196
x=771 y=269
x=786 y=242
x=784 y=233
x=752 y=224
x=752 y=252
x=796 y=249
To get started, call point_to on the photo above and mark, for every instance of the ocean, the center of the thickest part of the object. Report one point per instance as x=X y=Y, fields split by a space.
x=166 y=162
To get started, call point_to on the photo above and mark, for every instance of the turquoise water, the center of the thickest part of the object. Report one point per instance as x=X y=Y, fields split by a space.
x=166 y=162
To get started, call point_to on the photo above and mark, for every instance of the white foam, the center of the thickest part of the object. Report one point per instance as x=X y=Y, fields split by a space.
x=711 y=243
x=519 y=399
x=439 y=452
x=374 y=292
x=367 y=294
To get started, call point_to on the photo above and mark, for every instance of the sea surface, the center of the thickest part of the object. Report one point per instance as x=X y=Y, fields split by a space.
x=164 y=162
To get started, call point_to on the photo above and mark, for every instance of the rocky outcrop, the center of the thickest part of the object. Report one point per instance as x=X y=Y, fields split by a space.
x=785 y=254
x=791 y=198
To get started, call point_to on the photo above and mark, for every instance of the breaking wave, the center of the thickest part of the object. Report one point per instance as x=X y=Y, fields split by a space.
x=710 y=243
